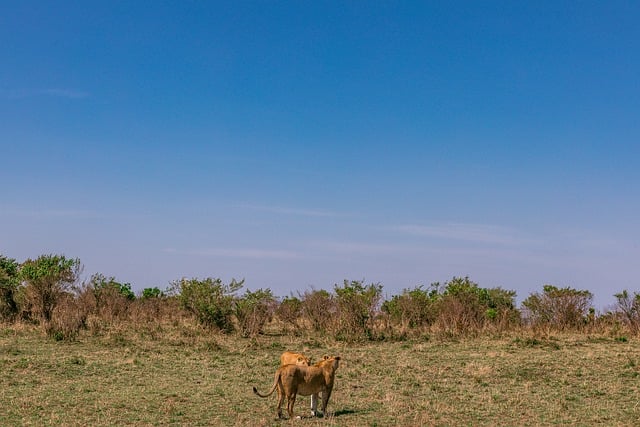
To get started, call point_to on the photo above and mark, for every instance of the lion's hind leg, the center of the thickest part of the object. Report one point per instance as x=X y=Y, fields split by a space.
x=290 y=402
x=281 y=397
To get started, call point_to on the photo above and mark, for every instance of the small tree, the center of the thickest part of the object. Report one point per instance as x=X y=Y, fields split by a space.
x=414 y=308
x=289 y=312
x=461 y=306
x=9 y=282
x=629 y=307
x=465 y=307
x=111 y=298
x=253 y=311
x=210 y=300
x=560 y=308
x=318 y=309
x=47 y=279
x=149 y=293
x=501 y=308
x=357 y=307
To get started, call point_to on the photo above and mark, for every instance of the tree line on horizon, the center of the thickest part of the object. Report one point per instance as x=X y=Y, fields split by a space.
x=47 y=291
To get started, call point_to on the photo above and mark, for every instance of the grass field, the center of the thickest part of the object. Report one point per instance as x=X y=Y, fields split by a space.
x=185 y=376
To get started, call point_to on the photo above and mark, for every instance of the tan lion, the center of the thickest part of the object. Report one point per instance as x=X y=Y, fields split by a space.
x=291 y=380
x=291 y=358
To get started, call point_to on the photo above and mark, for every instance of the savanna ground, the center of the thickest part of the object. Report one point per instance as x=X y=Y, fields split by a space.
x=184 y=375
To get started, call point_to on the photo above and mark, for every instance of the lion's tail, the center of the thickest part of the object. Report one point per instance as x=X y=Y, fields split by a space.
x=273 y=388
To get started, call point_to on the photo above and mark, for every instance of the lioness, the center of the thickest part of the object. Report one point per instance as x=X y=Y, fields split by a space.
x=316 y=396
x=289 y=357
x=291 y=380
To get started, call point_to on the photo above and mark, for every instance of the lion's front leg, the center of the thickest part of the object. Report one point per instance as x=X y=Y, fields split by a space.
x=314 y=404
x=325 y=400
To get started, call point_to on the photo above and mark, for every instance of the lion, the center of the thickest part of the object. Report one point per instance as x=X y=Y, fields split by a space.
x=289 y=357
x=291 y=380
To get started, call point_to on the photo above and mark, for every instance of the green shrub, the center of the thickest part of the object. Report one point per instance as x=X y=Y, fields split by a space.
x=465 y=307
x=318 y=310
x=628 y=306
x=111 y=300
x=414 y=308
x=151 y=293
x=69 y=317
x=9 y=282
x=47 y=279
x=210 y=300
x=357 y=307
x=289 y=311
x=558 y=308
x=253 y=310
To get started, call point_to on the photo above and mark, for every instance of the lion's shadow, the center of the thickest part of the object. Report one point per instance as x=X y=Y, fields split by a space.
x=335 y=414
x=341 y=412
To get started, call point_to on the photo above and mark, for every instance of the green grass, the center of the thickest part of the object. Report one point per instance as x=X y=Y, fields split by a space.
x=184 y=376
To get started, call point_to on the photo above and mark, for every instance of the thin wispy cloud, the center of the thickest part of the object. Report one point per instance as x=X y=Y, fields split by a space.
x=51 y=213
x=429 y=251
x=250 y=253
x=51 y=92
x=66 y=93
x=479 y=233
x=292 y=211
x=352 y=247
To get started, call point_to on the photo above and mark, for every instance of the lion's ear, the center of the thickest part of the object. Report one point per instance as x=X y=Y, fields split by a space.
x=325 y=357
x=300 y=359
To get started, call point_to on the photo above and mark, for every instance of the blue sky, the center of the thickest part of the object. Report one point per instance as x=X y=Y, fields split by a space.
x=298 y=144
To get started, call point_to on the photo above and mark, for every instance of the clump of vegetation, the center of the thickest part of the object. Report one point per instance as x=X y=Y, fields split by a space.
x=629 y=309
x=47 y=282
x=413 y=310
x=210 y=300
x=318 y=310
x=558 y=308
x=466 y=307
x=253 y=310
x=9 y=282
x=458 y=307
x=289 y=312
x=69 y=318
x=110 y=299
x=150 y=293
x=357 y=305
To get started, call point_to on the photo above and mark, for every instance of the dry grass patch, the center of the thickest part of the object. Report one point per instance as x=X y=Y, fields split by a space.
x=184 y=375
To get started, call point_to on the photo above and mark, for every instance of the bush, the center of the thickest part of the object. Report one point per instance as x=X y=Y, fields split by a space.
x=413 y=309
x=154 y=292
x=318 y=309
x=47 y=280
x=465 y=307
x=69 y=317
x=501 y=311
x=254 y=310
x=357 y=307
x=289 y=311
x=629 y=308
x=9 y=282
x=111 y=298
x=211 y=301
x=558 y=308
